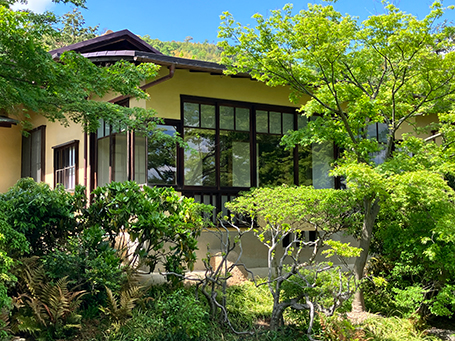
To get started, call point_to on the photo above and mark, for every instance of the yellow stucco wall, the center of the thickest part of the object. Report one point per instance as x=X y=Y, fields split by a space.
x=10 y=156
x=418 y=122
x=57 y=134
x=165 y=97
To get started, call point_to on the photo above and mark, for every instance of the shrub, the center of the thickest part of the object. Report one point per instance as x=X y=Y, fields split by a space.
x=11 y=243
x=44 y=216
x=180 y=312
x=89 y=262
x=150 y=226
x=174 y=315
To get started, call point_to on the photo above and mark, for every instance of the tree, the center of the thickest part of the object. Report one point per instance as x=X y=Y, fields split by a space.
x=72 y=31
x=383 y=72
x=32 y=82
x=278 y=216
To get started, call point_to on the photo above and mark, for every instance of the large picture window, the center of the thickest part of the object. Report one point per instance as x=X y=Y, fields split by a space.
x=229 y=147
x=233 y=146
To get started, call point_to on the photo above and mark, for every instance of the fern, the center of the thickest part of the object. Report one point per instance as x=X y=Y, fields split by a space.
x=45 y=308
x=119 y=310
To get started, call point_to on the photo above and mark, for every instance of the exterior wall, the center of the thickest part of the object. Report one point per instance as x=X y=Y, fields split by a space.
x=418 y=122
x=10 y=156
x=57 y=134
x=254 y=254
x=165 y=97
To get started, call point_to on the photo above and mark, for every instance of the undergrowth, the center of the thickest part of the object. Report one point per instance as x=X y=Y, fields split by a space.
x=167 y=313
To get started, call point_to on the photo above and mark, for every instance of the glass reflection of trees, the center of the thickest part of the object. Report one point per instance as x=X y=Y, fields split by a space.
x=200 y=165
x=161 y=156
x=234 y=159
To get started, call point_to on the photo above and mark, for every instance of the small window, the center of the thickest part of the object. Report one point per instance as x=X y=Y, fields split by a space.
x=65 y=165
x=33 y=147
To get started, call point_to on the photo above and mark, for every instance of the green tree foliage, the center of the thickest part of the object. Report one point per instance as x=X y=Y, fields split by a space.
x=187 y=49
x=282 y=213
x=32 y=82
x=415 y=238
x=388 y=70
x=73 y=31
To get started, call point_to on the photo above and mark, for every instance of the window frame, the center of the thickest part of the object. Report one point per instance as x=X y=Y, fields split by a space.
x=60 y=149
x=218 y=193
x=41 y=130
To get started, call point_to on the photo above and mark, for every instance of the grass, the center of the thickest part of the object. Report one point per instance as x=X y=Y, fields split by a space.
x=393 y=329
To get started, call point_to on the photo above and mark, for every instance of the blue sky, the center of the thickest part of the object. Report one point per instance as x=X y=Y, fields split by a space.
x=178 y=19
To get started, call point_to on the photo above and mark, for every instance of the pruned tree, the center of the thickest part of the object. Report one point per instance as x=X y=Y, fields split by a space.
x=280 y=215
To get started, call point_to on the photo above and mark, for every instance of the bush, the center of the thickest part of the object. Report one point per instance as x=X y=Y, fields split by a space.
x=90 y=263
x=150 y=226
x=11 y=243
x=174 y=315
x=44 y=216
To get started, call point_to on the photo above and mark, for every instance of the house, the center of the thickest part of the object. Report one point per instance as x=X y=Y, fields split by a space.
x=233 y=125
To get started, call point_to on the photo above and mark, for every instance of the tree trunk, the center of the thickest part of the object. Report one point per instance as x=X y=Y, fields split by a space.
x=371 y=206
x=277 y=315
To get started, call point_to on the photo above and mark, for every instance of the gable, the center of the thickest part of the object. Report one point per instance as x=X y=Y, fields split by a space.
x=116 y=41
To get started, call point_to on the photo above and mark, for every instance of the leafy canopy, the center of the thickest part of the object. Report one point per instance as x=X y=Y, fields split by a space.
x=389 y=69
x=32 y=82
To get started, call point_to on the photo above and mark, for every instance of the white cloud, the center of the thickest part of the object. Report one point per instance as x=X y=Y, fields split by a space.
x=37 y=6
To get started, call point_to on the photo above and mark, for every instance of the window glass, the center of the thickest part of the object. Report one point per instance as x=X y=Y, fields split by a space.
x=262 y=121
x=65 y=166
x=100 y=131
x=383 y=130
x=226 y=117
x=35 y=161
x=242 y=119
x=234 y=159
x=371 y=131
x=288 y=122
x=191 y=114
x=199 y=158
x=275 y=165
x=275 y=122
x=305 y=166
x=26 y=151
x=162 y=157
x=207 y=116
x=32 y=155
x=322 y=158
x=103 y=161
x=302 y=121
x=119 y=172
x=140 y=158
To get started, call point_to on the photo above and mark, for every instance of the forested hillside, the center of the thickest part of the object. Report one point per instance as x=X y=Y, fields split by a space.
x=186 y=49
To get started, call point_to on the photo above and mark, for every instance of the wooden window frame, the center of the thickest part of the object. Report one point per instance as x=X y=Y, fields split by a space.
x=59 y=167
x=42 y=130
x=217 y=192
